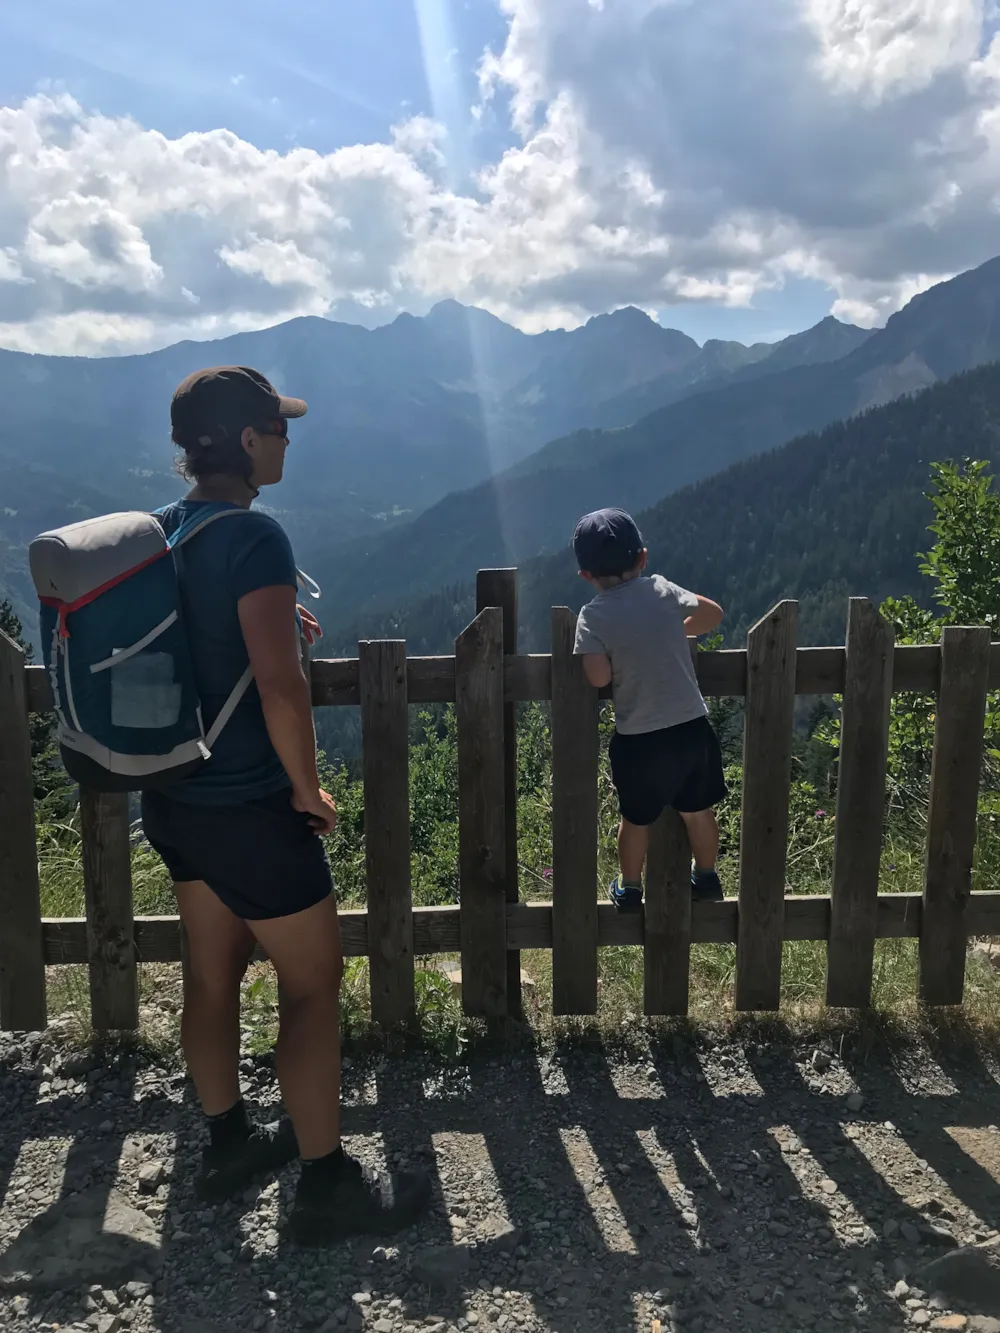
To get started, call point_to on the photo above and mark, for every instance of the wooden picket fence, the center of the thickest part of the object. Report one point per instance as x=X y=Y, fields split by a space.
x=485 y=680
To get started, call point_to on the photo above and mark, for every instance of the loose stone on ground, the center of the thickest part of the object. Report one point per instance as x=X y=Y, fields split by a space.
x=708 y=1184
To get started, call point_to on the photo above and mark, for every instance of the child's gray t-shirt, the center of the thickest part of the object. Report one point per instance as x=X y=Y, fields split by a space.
x=640 y=626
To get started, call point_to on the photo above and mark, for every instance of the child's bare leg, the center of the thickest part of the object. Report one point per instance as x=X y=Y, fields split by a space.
x=703 y=835
x=633 y=843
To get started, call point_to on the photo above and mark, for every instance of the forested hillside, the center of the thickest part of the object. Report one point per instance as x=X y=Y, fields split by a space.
x=832 y=514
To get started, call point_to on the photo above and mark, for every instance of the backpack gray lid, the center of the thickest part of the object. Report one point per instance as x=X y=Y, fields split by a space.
x=68 y=563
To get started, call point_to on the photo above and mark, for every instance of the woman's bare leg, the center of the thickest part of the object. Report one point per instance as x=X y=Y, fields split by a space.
x=306 y=953
x=335 y=1196
x=219 y=946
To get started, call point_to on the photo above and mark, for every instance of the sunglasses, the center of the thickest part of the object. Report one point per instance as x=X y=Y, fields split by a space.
x=274 y=426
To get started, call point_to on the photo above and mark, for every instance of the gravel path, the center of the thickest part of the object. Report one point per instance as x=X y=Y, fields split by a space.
x=713 y=1187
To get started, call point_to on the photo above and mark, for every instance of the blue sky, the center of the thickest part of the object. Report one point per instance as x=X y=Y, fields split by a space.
x=324 y=73
x=740 y=169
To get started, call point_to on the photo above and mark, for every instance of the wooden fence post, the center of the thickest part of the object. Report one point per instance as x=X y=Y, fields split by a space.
x=498 y=587
x=479 y=692
x=857 y=850
x=767 y=771
x=574 y=825
x=22 y=967
x=667 y=927
x=107 y=883
x=951 y=817
x=386 y=757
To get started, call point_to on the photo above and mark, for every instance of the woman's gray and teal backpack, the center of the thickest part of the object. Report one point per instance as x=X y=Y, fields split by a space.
x=116 y=652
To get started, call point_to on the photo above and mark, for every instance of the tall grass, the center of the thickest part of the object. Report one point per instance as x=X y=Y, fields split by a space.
x=60 y=869
x=435 y=880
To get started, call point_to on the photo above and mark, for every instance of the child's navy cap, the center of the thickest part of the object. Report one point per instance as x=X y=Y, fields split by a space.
x=607 y=543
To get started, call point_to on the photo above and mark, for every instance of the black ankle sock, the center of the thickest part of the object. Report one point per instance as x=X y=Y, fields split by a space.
x=229 y=1128
x=320 y=1172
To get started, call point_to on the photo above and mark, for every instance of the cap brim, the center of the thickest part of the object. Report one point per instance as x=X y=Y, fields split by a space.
x=292 y=407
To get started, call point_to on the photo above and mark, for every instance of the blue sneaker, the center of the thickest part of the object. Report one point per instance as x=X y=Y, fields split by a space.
x=626 y=897
x=706 y=887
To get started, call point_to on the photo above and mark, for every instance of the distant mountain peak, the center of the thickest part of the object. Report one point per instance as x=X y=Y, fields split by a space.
x=447 y=309
x=635 y=327
x=832 y=322
x=450 y=312
x=626 y=314
x=716 y=343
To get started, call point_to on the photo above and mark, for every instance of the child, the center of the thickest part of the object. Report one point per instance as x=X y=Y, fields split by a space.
x=634 y=636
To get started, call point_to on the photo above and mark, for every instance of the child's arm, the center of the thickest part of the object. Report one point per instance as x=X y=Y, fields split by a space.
x=704 y=619
x=597 y=669
x=589 y=645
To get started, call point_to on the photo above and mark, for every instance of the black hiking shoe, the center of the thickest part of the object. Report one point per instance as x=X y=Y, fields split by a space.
x=229 y=1171
x=706 y=887
x=360 y=1202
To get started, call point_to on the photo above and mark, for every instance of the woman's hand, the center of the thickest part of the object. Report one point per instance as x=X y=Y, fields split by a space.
x=311 y=627
x=319 y=806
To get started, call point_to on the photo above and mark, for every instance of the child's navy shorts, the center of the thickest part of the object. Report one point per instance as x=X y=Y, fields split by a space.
x=261 y=857
x=679 y=766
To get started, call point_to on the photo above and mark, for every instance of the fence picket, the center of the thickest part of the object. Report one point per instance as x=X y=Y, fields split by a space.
x=574 y=825
x=667 y=926
x=22 y=969
x=951 y=817
x=767 y=769
x=386 y=758
x=498 y=587
x=864 y=740
x=107 y=884
x=481 y=817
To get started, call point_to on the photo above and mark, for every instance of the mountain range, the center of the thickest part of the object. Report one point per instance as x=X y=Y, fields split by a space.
x=399 y=415
x=532 y=507
x=438 y=445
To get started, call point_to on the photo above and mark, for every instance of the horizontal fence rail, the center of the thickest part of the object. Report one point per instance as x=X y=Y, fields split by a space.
x=529 y=926
x=528 y=678
x=486 y=679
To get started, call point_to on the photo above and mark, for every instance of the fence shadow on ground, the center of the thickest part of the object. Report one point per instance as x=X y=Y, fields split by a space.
x=716 y=1177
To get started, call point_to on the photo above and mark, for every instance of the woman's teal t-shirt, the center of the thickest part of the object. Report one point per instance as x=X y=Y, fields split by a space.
x=217 y=567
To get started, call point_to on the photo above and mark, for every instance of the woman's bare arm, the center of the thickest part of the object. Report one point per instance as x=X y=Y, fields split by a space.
x=267 y=619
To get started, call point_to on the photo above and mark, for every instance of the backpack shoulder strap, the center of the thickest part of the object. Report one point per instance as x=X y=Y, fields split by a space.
x=229 y=707
x=193 y=525
x=197 y=522
x=307 y=584
x=179 y=538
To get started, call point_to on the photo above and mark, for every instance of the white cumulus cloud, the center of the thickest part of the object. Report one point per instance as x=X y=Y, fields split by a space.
x=666 y=150
x=854 y=141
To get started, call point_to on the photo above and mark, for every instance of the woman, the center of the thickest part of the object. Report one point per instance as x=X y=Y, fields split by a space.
x=242 y=838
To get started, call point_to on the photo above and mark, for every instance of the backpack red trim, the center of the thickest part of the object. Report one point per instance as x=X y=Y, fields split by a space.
x=64 y=608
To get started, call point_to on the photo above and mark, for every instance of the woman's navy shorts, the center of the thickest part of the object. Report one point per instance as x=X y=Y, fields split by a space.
x=261 y=857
